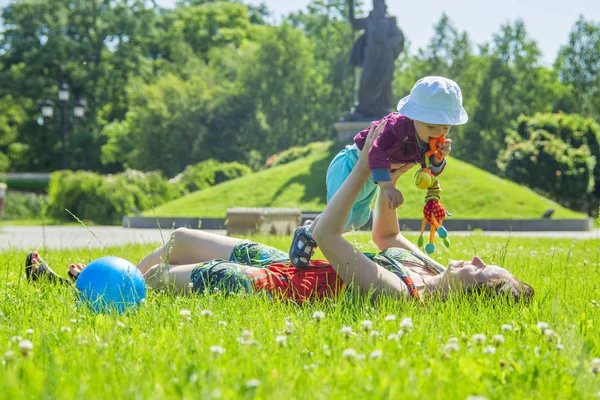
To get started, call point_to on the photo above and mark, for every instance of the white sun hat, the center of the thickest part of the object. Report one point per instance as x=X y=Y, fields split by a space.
x=434 y=100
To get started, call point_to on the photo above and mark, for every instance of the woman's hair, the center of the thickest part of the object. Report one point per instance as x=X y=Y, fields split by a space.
x=511 y=288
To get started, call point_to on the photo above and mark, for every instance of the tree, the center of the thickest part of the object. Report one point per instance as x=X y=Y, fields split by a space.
x=578 y=65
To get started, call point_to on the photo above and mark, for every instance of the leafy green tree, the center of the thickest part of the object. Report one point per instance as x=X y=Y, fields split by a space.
x=578 y=65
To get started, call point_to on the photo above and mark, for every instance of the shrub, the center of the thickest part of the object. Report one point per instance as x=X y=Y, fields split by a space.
x=23 y=205
x=105 y=199
x=573 y=129
x=210 y=172
x=551 y=166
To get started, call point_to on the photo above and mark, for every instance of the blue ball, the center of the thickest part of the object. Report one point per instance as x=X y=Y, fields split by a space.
x=111 y=283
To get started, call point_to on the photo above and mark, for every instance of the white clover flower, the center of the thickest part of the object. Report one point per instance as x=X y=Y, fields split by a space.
x=549 y=334
x=16 y=339
x=318 y=315
x=26 y=347
x=191 y=285
x=393 y=336
x=186 y=315
x=206 y=313
x=222 y=323
x=29 y=332
x=406 y=324
x=349 y=353
x=253 y=383
x=451 y=347
x=479 y=338
x=73 y=321
x=217 y=350
x=536 y=351
x=374 y=334
x=507 y=327
x=542 y=326
x=250 y=342
x=489 y=350
x=452 y=340
x=498 y=339
x=246 y=334
x=367 y=325
x=559 y=346
x=390 y=318
x=65 y=329
x=9 y=355
x=474 y=397
x=281 y=340
x=376 y=354
x=595 y=362
x=346 y=331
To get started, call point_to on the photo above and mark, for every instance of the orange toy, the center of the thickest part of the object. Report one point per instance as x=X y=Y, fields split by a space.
x=433 y=212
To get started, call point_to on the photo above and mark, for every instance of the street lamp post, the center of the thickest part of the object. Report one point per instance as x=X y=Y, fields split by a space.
x=48 y=114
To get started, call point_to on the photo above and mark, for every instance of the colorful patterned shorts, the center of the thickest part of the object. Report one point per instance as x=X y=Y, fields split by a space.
x=243 y=272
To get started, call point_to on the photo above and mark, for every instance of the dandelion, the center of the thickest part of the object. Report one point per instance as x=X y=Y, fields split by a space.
x=29 y=332
x=479 y=338
x=406 y=324
x=507 y=327
x=367 y=325
x=393 y=336
x=185 y=315
x=390 y=318
x=26 y=347
x=375 y=334
x=253 y=383
x=217 y=350
x=489 y=350
x=281 y=340
x=346 y=331
x=451 y=347
x=206 y=313
x=498 y=339
x=65 y=329
x=375 y=354
x=542 y=326
x=318 y=315
x=349 y=353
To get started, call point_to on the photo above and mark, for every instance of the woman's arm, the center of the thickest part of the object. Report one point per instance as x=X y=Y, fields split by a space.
x=352 y=266
x=386 y=232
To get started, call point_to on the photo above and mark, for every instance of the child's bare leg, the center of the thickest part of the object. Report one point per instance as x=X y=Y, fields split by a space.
x=189 y=246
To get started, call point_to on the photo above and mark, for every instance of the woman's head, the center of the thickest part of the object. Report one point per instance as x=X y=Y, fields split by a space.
x=475 y=276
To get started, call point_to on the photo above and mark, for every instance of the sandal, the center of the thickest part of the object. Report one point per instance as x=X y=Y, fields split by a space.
x=302 y=248
x=35 y=271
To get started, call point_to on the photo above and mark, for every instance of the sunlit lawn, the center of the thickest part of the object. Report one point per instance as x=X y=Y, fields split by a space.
x=238 y=347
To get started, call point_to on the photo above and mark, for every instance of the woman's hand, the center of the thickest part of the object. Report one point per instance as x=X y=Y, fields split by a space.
x=374 y=132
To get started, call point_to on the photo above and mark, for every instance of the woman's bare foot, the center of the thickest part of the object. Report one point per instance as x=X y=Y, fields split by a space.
x=35 y=268
x=75 y=270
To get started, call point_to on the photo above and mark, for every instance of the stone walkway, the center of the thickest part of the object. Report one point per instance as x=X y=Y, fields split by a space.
x=37 y=237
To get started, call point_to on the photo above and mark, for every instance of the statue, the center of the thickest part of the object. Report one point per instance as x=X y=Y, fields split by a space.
x=376 y=51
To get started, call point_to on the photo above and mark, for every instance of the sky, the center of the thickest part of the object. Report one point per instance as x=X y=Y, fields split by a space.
x=547 y=21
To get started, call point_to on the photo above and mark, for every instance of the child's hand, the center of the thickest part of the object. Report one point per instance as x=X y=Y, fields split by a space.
x=393 y=197
x=446 y=147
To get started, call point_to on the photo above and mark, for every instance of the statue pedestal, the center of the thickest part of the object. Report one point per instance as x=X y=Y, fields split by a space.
x=348 y=129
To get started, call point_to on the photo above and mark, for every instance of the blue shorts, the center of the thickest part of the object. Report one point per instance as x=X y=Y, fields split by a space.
x=338 y=171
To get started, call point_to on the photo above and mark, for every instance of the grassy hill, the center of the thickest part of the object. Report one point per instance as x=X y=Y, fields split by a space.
x=468 y=192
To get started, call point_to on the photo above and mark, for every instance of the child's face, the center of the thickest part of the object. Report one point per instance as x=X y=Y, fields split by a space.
x=426 y=132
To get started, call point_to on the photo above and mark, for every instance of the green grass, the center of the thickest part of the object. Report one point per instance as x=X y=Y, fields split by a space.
x=468 y=193
x=154 y=354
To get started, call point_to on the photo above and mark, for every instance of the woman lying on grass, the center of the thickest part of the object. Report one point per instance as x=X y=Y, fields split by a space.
x=201 y=262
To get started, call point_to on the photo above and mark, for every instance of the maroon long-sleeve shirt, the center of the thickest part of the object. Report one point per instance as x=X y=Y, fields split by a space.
x=397 y=144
